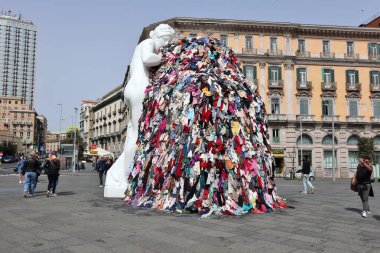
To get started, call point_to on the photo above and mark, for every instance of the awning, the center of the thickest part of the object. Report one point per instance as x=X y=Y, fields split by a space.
x=278 y=155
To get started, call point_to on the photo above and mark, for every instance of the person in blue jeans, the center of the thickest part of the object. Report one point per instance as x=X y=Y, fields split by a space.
x=30 y=170
x=305 y=175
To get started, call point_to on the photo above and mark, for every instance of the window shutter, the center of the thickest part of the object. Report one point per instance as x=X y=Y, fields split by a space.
x=371 y=79
x=369 y=48
x=270 y=73
x=279 y=73
x=378 y=49
x=332 y=75
x=255 y=72
x=356 y=76
x=347 y=76
x=323 y=75
x=376 y=108
x=298 y=75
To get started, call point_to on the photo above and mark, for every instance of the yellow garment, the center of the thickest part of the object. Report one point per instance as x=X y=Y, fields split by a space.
x=235 y=127
x=206 y=92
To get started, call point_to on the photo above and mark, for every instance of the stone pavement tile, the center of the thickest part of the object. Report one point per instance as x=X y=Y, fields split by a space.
x=348 y=245
x=313 y=229
x=268 y=247
x=302 y=245
x=304 y=238
x=130 y=248
x=23 y=224
x=87 y=248
x=273 y=232
x=55 y=250
x=216 y=233
x=304 y=251
x=334 y=250
x=53 y=235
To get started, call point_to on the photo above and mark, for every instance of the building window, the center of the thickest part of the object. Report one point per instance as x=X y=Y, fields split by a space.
x=28 y=134
x=301 y=45
x=327 y=107
x=29 y=115
x=304 y=106
x=352 y=76
x=350 y=48
x=273 y=44
x=15 y=114
x=276 y=135
x=21 y=134
x=376 y=140
x=376 y=108
x=248 y=42
x=275 y=105
x=327 y=159
x=353 y=107
x=304 y=139
x=328 y=76
x=326 y=46
x=250 y=72
x=301 y=77
x=353 y=140
x=22 y=115
x=224 y=39
x=374 y=78
x=373 y=49
x=327 y=140
x=274 y=73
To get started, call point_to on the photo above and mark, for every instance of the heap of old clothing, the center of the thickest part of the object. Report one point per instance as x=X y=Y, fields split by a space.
x=203 y=136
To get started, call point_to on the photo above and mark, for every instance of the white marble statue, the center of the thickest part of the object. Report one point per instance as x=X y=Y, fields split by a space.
x=146 y=55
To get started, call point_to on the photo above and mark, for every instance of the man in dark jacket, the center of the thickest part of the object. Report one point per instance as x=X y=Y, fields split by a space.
x=101 y=167
x=305 y=175
x=30 y=169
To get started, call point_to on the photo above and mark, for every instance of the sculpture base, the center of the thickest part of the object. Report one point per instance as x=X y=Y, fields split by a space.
x=114 y=192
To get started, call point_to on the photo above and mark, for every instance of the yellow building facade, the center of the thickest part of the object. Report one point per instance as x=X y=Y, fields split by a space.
x=310 y=77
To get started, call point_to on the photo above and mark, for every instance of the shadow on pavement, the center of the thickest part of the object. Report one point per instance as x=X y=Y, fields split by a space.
x=377 y=217
x=356 y=210
x=66 y=193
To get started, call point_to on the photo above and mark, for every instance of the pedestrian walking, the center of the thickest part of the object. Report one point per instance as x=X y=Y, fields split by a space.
x=30 y=170
x=100 y=167
x=305 y=175
x=363 y=179
x=52 y=167
x=20 y=165
x=109 y=163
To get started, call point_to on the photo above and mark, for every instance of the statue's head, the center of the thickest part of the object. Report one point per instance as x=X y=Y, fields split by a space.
x=162 y=34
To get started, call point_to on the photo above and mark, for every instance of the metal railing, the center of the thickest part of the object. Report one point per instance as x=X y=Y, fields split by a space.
x=305 y=54
x=249 y=51
x=328 y=86
x=374 y=57
x=328 y=55
x=305 y=117
x=353 y=86
x=374 y=87
x=275 y=83
x=277 y=117
x=305 y=85
x=328 y=118
x=274 y=51
x=353 y=119
x=351 y=56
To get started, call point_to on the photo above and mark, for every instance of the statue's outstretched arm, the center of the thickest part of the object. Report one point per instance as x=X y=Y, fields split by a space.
x=149 y=58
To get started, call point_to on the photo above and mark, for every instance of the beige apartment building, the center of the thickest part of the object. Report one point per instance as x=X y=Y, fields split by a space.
x=310 y=77
x=106 y=121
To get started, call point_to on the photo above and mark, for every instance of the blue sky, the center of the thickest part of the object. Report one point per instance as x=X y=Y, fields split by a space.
x=84 y=46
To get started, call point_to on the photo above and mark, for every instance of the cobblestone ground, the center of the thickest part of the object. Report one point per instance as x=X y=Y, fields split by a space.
x=80 y=220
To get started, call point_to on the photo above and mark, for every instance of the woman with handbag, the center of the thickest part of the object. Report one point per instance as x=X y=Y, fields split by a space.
x=363 y=179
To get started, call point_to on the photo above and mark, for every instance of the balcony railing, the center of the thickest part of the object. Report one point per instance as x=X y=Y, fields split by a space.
x=305 y=85
x=255 y=81
x=277 y=117
x=327 y=118
x=375 y=119
x=249 y=51
x=374 y=57
x=276 y=140
x=353 y=86
x=304 y=54
x=274 y=51
x=114 y=112
x=275 y=84
x=351 y=56
x=328 y=86
x=109 y=114
x=327 y=55
x=355 y=119
x=14 y=122
x=104 y=116
x=374 y=87
x=305 y=117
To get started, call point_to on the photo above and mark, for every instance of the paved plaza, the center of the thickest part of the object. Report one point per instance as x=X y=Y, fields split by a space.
x=80 y=220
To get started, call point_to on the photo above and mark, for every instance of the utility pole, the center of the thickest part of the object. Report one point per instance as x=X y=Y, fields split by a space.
x=333 y=140
x=60 y=133
x=75 y=138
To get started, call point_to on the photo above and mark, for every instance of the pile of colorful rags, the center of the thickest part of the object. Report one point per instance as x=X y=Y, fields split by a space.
x=203 y=136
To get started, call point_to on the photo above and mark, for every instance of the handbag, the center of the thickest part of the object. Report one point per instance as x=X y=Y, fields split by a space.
x=354 y=184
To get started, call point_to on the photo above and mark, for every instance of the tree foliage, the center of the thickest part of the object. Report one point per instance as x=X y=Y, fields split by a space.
x=366 y=147
x=8 y=149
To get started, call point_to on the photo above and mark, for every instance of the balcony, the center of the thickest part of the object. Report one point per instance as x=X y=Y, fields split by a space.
x=274 y=52
x=14 y=122
x=351 y=56
x=275 y=84
x=109 y=114
x=355 y=119
x=29 y=123
x=305 y=85
x=374 y=87
x=119 y=110
x=305 y=117
x=114 y=112
x=22 y=122
x=375 y=120
x=249 y=51
x=104 y=117
x=353 y=87
x=277 y=117
x=255 y=81
x=327 y=118
x=328 y=86
x=374 y=57
x=304 y=54
x=327 y=55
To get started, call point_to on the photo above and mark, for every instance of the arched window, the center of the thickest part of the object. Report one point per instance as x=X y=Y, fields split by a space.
x=376 y=140
x=353 y=140
x=327 y=140
x=306 y=139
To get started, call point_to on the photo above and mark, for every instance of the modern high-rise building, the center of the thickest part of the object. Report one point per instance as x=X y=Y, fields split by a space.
x=17 y=57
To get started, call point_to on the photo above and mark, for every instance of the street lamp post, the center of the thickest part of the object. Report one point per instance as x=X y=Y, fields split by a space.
x=75 y=137
x=333 y=140
x=60 y=133
x=301 y=137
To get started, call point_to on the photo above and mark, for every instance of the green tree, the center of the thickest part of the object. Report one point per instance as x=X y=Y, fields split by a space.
x=8 y=149
x=366 y=147
x=70 y=140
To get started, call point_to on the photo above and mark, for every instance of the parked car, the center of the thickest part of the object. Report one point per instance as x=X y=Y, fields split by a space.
x=8 y=159
x=311 y=175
